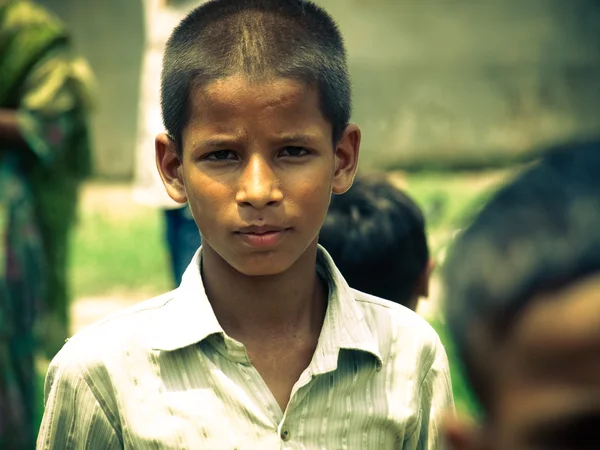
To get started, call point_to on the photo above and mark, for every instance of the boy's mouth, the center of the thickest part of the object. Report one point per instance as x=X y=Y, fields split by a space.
x=262 y=235
x=260 y=229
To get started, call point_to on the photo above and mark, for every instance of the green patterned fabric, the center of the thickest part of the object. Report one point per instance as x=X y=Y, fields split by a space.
x=49 y=89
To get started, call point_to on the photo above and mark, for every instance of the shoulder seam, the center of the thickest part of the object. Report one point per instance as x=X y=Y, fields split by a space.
x=371 y=302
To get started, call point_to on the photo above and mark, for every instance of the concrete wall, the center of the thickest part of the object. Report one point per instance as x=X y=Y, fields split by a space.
x=433 y=79
x=473 y=79
x=109 y=33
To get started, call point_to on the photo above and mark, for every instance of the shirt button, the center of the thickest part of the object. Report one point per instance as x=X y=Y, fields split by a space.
x=285 y=435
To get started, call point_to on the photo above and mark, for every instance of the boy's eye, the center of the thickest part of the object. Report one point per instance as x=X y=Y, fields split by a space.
x=293 y=151
x=221 y=155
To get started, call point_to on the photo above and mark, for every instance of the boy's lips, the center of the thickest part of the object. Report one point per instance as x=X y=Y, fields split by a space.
x=260 y=229
x=262 y=235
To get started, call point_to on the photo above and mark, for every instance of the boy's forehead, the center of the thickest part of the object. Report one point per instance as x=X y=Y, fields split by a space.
x=237 y=90
x=278 y=108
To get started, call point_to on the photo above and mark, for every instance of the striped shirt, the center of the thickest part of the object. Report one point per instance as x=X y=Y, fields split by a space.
x=164 y=375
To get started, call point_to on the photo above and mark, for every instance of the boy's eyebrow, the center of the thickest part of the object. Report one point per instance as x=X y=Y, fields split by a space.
x=216 y=142
x=296 y=138
x=222 y=142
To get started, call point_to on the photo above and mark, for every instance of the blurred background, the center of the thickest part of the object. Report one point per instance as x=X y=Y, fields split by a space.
x=451 y=83
x=453 y=97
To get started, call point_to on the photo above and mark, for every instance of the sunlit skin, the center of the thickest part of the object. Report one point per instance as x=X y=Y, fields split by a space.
x=545 y=378
x=258 y=170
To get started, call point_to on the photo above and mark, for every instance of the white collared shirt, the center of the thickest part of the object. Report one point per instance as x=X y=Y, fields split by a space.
x=164 y=375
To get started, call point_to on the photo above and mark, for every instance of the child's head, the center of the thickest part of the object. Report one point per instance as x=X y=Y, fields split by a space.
x=261 y=40
x=376 y=235
x=523 y=291
x=256 y=103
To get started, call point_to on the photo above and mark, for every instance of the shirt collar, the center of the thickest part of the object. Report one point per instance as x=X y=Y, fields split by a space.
x=345 y=326
x=188 y=317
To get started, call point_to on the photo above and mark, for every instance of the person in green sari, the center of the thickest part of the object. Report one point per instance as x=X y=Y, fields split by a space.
x=44 y=153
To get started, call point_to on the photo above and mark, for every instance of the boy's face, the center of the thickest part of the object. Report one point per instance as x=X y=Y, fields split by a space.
x=258 y=169
x=545 y=377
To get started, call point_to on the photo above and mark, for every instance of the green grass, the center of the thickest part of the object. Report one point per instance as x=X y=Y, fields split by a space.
x=449 y=200
x=116 y=253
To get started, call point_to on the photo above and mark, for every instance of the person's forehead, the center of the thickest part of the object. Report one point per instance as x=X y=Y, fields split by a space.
x=280 y=109
x=572 y=426
x=554 y=326
x=276 y=100
x=561 y=324
x=236 y=90
x=549 y=363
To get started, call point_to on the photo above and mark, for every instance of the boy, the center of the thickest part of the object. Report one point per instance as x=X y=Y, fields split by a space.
x=263 y=345
x=375 y=234
x=523 y=287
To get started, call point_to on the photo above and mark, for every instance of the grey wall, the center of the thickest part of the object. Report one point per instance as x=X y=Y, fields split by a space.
x=445 y=79
x=433 y=79
x=109 y=33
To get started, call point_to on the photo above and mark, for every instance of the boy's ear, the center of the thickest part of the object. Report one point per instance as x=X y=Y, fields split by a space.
x=461 y=435
x=422 y=287
x=346 y=159
x=170 y=168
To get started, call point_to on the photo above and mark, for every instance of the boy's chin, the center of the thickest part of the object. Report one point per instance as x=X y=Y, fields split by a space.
x=263 y=265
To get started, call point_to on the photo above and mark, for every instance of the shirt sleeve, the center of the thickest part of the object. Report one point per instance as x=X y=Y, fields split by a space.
x=437 y=401
x=74 y=418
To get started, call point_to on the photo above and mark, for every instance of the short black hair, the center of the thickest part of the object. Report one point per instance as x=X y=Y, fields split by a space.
x=538 y=233
x=260 y=39
x=376 y=236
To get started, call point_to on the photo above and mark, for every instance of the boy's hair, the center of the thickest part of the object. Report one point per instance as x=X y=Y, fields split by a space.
x=376 y=236
x=260 y=39
x=540 y=232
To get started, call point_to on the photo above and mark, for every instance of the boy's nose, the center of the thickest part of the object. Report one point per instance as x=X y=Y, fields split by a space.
x=259 y=186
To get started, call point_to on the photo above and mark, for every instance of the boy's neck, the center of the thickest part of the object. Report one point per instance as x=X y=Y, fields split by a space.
x=289 y=304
